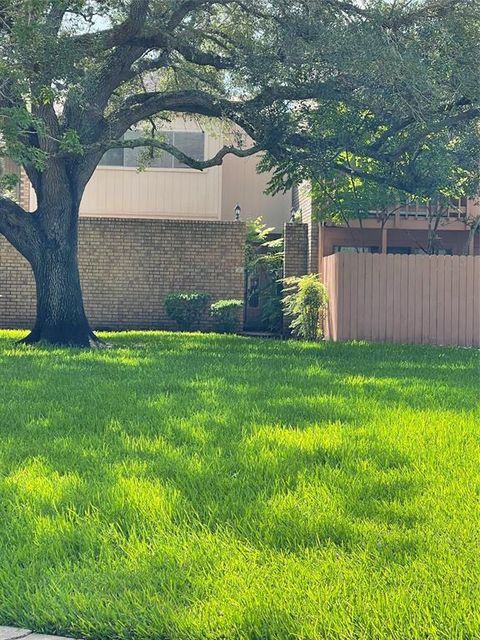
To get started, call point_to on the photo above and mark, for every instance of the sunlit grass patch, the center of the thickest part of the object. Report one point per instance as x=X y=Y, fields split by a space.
x=188 y=486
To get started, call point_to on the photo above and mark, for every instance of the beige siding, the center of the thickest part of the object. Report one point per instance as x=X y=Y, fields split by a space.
x=242 y=184
x=404 y=299
x=156 y=193
x=305 y=203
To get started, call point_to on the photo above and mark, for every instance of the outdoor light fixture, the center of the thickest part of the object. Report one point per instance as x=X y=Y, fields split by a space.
x=238 y=211
x=293 y=214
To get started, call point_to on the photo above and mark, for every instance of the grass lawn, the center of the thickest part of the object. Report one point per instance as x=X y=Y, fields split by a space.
x=201 y=486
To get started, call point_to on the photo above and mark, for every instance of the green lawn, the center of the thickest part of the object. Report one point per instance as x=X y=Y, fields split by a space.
x=202 y=486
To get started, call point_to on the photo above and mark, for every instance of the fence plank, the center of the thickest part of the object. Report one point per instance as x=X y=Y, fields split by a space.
x=448 y=302
x=326 y=281
x=433 y=297
x=440 y=313
x=334 y=295
x=396 y=293
x=411 y=301
x=344 y=295
x=361 y=305
x=382 y=316
x=375 y=309
x=390 y=292
x=425 y=275
x=339 y=307
x=353 y=273
x=454 y=300
x=367 y=297
x=330 y=265
x=403 y=314
x=469 y=300
x=462 y=301
x=417 y=269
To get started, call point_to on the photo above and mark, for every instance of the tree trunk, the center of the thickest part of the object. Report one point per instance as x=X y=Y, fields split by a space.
x=61 y=318
x=48 y=239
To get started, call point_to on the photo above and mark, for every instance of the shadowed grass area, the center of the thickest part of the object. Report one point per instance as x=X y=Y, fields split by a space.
x=202 y=486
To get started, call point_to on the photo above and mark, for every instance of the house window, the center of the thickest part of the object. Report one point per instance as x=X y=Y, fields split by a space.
x=192 y=143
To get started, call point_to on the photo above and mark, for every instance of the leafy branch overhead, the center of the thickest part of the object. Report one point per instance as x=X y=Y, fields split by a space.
x=304 y=79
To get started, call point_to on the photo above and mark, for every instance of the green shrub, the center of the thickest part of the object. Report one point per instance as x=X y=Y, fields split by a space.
x=271 y=307
x=186 y=308
x=226 y=314
x=264 y=266
x=305 y=305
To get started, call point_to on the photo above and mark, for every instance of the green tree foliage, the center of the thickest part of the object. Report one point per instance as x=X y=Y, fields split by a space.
x=264 y=261
x=406 y=108
x=305 y=304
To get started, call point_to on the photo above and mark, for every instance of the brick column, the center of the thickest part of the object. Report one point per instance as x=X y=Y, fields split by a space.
x=313 y=247
x=296 y=249
x=295 y=262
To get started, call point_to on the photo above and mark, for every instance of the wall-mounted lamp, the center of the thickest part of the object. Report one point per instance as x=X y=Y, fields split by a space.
x=238 y=211
x=293 y=214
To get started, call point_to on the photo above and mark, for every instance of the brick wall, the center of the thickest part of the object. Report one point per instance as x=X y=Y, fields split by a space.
x=295 y=261
x=17 y=289
x=128 y=267
x=296 y=249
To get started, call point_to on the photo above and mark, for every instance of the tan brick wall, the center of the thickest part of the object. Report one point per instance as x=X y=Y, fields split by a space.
x=295 y=262
x=296 y=249
x=129 y=266
x=17 y=289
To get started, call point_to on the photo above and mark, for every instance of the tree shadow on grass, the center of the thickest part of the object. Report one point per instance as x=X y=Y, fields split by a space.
x=268 y=440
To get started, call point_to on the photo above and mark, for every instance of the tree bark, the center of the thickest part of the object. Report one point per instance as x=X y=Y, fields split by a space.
x=52 y=251
x=61 y=318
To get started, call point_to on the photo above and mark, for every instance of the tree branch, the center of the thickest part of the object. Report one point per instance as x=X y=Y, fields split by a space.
x=138 y=107
x=192 y=54
x=186 y=7
x=201 y=165
x=142 y=106
x=118 y=35
x=401 y=185
x=17 y=226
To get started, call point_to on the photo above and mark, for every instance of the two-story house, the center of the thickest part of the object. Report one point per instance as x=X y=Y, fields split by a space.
x=169 y=189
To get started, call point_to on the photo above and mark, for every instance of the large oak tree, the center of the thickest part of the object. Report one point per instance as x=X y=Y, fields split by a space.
x=76 y=75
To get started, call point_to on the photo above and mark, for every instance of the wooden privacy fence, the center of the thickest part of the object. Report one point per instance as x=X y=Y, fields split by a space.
x=403 y=298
